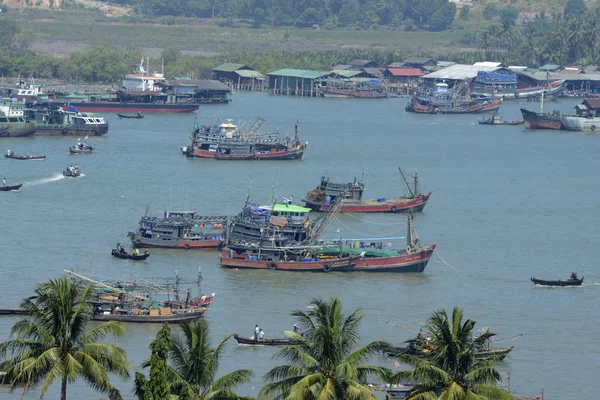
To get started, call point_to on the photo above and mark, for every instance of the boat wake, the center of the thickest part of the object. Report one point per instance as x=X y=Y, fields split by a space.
x=54 y=178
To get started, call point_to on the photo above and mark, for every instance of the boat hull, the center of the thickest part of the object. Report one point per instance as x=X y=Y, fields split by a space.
x=558 y=283
x=114 y=107
x=20 y=129
x=60 y=130
x=394 y=205
x=352 y=94
x=156 y=319
x=264 y=342
x=126 y=256
x=14 y=157
x=533 y=120
x=10 y=188
x=295 y=154
x=500 y=352
x=174 y=243
x=580 y=124
x=414 y=262
x=342 y=264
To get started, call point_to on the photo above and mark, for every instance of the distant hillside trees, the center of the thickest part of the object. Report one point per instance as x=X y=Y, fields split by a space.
x=574 y=8
x=431 y=15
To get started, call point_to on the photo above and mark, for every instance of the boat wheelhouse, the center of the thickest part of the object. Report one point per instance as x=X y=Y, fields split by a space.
x=13 y=120
x=180 y=229
x=257 y=224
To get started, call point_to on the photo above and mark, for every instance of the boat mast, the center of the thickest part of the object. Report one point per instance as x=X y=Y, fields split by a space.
x=542 y=104
x=416 y=183
x=411 y=235
x=199 y=282
x=406 y=182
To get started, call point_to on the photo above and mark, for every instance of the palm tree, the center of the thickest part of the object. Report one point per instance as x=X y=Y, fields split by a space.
x=452 y=371
x=51 y=342
x=194 y=365
x=325 y=364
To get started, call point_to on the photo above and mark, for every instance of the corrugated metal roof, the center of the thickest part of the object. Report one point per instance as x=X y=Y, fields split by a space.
x=487 y=64
x=359 y=62
x=299 y=73
x=373 y=71
x=406 y=72
x=345 y=73
x=396 y=65
x=249 y=73
x=228 y=67
x=342 y=66
x=445 y=63
x=593 y=103
x=550 y=67
x=459 y=72
x=417 y=60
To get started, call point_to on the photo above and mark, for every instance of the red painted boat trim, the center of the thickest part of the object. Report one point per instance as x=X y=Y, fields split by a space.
x=115 y=107
x=314 y=266
x=390 y=205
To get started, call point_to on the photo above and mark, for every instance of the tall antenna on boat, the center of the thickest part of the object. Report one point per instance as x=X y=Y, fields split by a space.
x=416 y=183
x=362 y=177
x=542 y=103
x=248 y=195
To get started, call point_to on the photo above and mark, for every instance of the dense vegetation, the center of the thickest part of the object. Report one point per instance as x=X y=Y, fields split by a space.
x=434 y=15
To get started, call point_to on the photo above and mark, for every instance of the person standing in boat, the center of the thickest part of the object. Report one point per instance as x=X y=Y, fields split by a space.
x=8 y=152
x=574 y=275
x=256 y=332
x=4 y=181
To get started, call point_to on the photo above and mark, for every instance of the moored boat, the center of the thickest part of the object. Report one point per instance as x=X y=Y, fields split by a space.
x=56 y=121
x=375 y=258
x=158 y=316
x=541 y=120
x=244 y=146
x=289 y=259
x=264 y=341
x=13 y=122
x=320 y=199
x=498 y=352
x=180 y=230
x=136 y=116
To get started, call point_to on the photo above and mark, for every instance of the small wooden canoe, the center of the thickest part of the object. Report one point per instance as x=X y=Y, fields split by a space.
x=264 y=342
x=566 y=282
x=24 y=157
x=127 y=256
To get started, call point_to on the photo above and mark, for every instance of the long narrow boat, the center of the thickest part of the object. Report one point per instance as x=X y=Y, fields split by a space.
x=500 y=352
x=264 y=342
x=126 y=256
x=152 y=317
x=305 y=264
x=136 y=116
x=24 y=157
x=10 y=188
x=567 y=282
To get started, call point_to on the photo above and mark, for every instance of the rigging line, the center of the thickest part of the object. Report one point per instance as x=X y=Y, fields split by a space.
x=367 y=221
x=444 y=261
x=508 y=338
x=401 y=229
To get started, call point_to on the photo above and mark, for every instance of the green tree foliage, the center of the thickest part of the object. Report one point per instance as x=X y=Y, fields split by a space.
x=51 y=343
x=464 y=13
x=327 y=363
x=187 y=367
x=452 y=371
x=574 y=8
x=508 y=16
x=157 y=387
x=13 y=37
x=490 y=11
x=431 y=14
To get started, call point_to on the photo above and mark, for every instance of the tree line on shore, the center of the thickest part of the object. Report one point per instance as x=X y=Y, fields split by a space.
x=52 y=343
x=570 y=38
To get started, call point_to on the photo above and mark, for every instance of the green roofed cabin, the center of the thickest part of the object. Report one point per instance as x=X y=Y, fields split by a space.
x=298 y=82
x=238 y=76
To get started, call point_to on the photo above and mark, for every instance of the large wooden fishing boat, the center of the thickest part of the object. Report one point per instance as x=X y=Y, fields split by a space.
x=541 y=120
x=320 y=199
x=180 y=230
x=237 y=145
x=137 y=301
x=264 y=341
x=374 y=257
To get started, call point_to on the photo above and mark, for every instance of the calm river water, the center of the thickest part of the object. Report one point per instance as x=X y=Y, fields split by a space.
x=507 y=204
